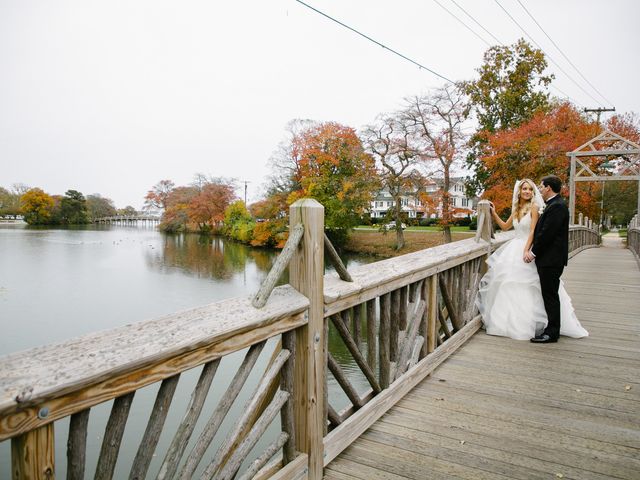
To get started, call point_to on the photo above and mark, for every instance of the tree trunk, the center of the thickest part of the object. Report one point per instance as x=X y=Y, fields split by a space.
x=446 y=232
x=446 y=208
x=399 y=233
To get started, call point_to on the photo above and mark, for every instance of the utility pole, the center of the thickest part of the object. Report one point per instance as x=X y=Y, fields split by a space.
x=245 y=191
x=598 y=111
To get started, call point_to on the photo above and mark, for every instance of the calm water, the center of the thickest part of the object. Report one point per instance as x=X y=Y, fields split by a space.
x=56 y=284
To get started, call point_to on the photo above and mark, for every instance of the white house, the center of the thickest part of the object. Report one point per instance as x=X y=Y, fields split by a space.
x=413 y=206
x=383 y=202
x=458 y=198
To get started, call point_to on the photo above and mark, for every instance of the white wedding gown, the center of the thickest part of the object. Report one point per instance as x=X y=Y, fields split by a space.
x=509 y=298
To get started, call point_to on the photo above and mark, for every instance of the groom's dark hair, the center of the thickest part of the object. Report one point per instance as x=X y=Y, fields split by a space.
x=552 y=181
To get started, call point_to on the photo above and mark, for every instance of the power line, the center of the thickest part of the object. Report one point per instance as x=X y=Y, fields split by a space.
x=563 y=54
x=419 y=65
x=548 y=56
x=404 y=57
x=477 y=23
x=494 y=37
x=463 y=24
x=502 y=44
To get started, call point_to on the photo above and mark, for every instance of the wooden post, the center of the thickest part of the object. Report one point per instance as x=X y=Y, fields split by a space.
x=572 y=191
x=484 y=231
x=484 y=214
x=306 y=273
x=372 y=334
x=432 y=308
x=395 y=325
x=638 y=206
x=33 y=454
x=424 y=322
x=484 y=227
x=383 y=340
x=580 y=219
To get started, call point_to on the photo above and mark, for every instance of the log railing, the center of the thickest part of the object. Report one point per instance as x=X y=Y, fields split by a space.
x=398 y=319
x=633 y=237
x=584 y=234
x=46 y=384
x=42 y=386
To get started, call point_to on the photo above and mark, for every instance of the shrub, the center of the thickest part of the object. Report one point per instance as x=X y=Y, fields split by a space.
x=427 y=222
x=338 y=236
x=462 y=222
x=243 y=231
x=271 y=233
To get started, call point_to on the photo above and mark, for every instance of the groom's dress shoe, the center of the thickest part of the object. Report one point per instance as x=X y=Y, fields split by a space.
x=544 y=338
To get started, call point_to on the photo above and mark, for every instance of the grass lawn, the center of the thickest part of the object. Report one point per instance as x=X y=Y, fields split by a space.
x=623 y=232
x=415 y=229
x=372 y=242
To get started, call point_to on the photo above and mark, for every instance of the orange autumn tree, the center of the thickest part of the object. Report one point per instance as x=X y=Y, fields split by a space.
x=37 y=207
x=208 y=205
x=332 y=167
x=620 y=200
x=534 y=149
x=626 y=125
x=197 y=207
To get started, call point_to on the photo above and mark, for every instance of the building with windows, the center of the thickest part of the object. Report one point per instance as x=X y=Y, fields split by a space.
x=461 y=204
x=415 y=205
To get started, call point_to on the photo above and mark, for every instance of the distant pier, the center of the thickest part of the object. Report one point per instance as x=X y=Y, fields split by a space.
x=129 y=220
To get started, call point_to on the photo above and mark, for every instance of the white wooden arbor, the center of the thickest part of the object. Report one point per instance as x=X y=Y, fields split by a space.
x=608 y=144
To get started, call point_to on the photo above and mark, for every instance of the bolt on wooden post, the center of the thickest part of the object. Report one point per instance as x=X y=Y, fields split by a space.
x=306 y=274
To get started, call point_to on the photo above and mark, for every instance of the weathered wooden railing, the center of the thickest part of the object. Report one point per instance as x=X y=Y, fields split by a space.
x=398 y=318
x=43 y=385
x=46 y=384
x=633 y=237
x=584 y=234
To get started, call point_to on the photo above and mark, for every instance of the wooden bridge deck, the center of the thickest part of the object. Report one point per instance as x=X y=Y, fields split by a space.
x=501 y=408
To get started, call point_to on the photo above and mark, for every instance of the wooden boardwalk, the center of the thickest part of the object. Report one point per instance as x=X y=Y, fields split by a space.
x=501 y=408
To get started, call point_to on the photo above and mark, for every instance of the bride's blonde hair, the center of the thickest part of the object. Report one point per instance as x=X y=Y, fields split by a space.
x=521 y=207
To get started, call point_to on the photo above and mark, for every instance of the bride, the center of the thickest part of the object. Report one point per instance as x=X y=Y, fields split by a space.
x=509 y=297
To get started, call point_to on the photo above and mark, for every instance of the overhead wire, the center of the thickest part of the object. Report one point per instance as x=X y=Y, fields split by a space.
x=404 y=57
x=563 y=54
x=493 y=36
x=477 y=23
x=375 y=41
x=463 y=24
x=549 y=57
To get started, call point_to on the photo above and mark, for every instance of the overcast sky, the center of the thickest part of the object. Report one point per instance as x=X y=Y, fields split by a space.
x=112 y=96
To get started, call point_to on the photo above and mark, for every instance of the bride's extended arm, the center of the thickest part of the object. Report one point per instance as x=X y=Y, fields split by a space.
x=534 y=220
x=503 y=225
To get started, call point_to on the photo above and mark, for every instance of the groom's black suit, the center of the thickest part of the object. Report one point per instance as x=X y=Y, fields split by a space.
x=551 y=248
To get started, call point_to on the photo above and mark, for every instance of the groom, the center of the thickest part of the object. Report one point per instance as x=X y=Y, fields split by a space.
x=550 y=250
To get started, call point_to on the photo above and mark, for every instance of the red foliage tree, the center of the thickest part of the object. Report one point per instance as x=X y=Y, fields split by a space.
x=534 y=149
x=206 y=208
x=158 y=195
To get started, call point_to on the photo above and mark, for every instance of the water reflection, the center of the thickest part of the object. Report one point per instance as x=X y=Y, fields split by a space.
x=218 y=258
x=205 y=256
x=56 y=284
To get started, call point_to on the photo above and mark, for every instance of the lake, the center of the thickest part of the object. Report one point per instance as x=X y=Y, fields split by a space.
x=56 y=284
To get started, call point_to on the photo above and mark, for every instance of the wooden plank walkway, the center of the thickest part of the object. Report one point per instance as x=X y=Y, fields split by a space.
x=501 y=408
